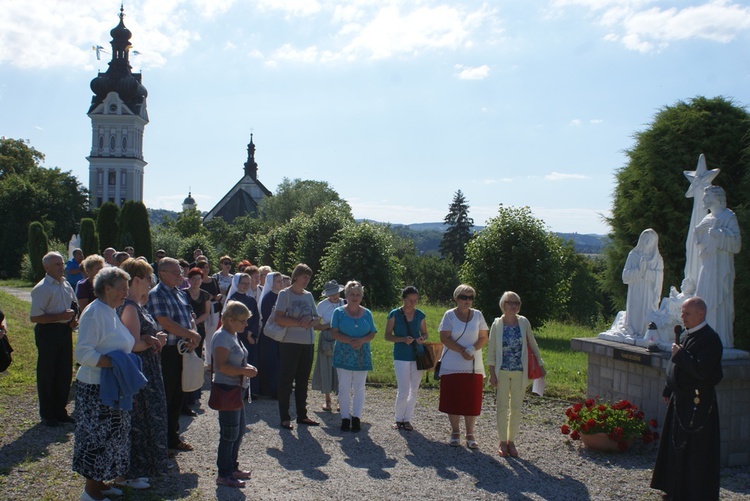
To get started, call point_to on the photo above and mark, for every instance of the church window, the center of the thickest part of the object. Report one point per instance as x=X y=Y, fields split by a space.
x=112 y=179
x=99 y=178
x=124 y=143
x=123 y=178
x=112 y=142
x=101 y=142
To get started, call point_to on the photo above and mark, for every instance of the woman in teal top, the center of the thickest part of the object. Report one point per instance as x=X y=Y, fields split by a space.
x=407 y=330
x=353 y=328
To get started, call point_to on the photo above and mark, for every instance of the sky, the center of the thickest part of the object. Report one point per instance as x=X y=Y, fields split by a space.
x=396 y=104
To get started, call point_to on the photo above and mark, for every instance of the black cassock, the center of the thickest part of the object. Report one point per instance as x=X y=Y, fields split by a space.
x=688 y=465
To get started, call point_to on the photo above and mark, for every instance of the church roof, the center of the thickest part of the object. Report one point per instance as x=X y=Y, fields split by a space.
x=245 y=196
x=119 y=77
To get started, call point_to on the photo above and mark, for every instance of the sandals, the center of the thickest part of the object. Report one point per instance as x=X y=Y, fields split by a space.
x=398 y=425
x=455 y=439
x=503 y=450
x=470 y=442
x=327 y=407
x=512 y=450
x=406 y=425
x=286 y=425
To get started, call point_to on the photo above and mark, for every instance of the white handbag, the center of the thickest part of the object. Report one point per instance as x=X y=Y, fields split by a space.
x=272 y=329
x=192 y=368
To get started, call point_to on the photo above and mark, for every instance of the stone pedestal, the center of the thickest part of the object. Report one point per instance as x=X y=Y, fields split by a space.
x=619 y=371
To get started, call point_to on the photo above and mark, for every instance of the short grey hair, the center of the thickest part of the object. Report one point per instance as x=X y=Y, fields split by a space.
x=47 y=259
x=108 y=277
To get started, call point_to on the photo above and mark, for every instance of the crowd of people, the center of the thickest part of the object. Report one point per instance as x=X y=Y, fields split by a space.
x=132 y=315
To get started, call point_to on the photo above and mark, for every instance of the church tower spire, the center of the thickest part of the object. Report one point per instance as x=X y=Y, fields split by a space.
x=251 y=166
x=118 y=117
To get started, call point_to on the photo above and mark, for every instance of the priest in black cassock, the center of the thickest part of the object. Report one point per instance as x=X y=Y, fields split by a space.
x=687 y=466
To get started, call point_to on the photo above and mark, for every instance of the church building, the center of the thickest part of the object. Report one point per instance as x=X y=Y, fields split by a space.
x=118 y=117
x=245 y=196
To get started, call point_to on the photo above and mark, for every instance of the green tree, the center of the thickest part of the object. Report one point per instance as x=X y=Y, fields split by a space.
x=230 y=239
x=458 y=232
x=38 y=246
x=363 y=252
x=515 y=251
x=108 y=226
x=29 y=192
x=135 y=228
x=89 y=237
x=583 y=305
x=189 y=223
x=298 y=196
x=18 y=158
x=434 y=276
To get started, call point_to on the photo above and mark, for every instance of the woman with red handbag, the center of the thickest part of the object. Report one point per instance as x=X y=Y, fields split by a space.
x=511 y=354
x=230 y=371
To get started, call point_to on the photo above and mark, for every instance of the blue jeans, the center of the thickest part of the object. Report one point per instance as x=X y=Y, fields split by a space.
x=231 y=429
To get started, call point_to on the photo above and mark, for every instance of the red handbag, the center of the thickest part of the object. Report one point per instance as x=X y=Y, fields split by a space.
x=535 y=370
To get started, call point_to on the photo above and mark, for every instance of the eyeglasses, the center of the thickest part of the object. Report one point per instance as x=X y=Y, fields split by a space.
x=513 y=303
x=464 y=297
x=227 y=263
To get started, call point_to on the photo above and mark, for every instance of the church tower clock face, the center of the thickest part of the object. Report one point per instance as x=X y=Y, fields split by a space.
x=113 y=108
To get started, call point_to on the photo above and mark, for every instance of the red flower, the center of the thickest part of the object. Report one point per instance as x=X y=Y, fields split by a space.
x=575 y=435
x=602 y=408
x=652 y=423
x=577 y=407
x=590 y=402
x=565 y=429
x=591 y=423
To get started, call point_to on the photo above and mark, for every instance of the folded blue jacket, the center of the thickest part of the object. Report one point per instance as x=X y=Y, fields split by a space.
x=121 y=382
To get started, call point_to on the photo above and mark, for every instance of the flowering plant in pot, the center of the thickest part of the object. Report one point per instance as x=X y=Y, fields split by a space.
x=621 y=422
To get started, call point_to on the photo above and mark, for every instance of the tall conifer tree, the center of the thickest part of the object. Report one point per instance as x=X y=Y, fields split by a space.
x=458 y=233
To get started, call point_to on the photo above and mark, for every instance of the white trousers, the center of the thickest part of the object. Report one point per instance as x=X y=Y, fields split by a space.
x=351 y=392
x=408 y=379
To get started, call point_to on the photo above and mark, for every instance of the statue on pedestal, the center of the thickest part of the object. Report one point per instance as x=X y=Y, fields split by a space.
x=718 y=239
x=669 y=311
x=643 y=273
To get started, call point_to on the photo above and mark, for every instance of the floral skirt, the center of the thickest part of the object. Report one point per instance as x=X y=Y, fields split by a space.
x=148 y=451
x=461 y=394
x=102 y=438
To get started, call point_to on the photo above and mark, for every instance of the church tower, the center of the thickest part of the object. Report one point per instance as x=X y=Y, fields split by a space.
x=118 y=117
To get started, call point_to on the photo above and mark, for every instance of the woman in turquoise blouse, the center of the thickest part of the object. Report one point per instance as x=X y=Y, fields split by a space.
x=407 y=330
x=353 y=328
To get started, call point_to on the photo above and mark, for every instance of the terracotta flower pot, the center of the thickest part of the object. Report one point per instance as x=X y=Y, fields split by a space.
x=602 y=442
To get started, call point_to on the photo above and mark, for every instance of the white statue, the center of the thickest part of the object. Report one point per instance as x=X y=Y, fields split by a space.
x=643 y=273
x=718 y=239
x=668 y=314
x=699 y=179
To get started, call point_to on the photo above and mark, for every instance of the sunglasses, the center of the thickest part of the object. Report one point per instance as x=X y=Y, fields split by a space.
x=513 y=303
x=464 y=297
x=226 y=263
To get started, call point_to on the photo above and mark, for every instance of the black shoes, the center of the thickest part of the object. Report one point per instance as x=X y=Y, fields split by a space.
x=50 y=423
x=356 y=426
x=187 y=411
x=345 y=424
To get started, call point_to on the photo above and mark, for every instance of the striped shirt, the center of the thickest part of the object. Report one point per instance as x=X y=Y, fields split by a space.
x=169 y=302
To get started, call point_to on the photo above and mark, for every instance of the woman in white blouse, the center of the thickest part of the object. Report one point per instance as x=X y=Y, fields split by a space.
x=463 y=332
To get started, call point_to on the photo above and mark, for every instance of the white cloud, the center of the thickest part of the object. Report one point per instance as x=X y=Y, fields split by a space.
x=295 y=8
x=229 y=45
x=499 y=180
x=576 y=122
x=643 y=26
x=473 y=73
x=596 y=121
x=559 y=176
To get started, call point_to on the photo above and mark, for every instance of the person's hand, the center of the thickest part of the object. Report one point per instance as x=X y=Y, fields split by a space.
x=250 y=340
x=218 y=297
x=493 y=379
x=419 y=340
x=466 y=355
x=152 y=343
x=357 y=343
x=675 y=349
x=194 y=339
x=162 y=337
x=408 y=340
x=69 y=315
x=251 y=371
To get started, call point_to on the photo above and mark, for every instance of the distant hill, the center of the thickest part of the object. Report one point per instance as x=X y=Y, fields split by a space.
x=427 y=236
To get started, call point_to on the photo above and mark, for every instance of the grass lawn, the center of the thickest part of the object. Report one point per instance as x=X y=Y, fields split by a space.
x=566 y=370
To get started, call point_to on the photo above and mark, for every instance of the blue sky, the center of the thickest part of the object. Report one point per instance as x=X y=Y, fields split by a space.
x=397 y=104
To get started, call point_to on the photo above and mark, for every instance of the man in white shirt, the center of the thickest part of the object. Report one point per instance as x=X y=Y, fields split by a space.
x=54 y=309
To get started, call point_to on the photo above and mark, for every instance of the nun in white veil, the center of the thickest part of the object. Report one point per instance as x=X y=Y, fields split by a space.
x=268 y=349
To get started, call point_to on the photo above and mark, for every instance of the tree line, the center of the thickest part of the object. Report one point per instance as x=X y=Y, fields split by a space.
x=307 y=221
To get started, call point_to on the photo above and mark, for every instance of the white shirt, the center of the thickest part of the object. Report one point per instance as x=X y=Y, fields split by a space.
x=100 y=331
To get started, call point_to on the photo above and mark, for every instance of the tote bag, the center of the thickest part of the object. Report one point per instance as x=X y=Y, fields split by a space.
x=272 y=329
x=192 y=368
